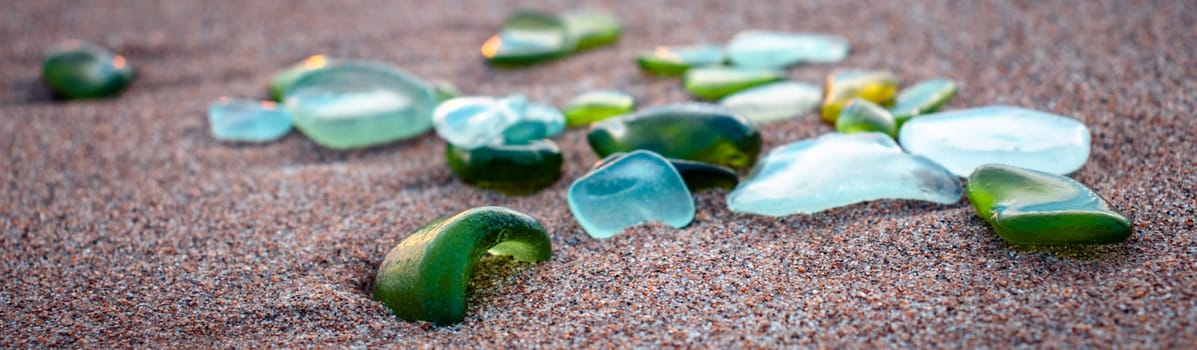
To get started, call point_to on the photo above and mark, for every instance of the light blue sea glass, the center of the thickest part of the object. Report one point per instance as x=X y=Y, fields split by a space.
x=962 y=140
x=472 y=122
x=835 y=170
x=635 y=188
x=760 y=49
x=774 y=102
x=242 y=120
x=354 y=104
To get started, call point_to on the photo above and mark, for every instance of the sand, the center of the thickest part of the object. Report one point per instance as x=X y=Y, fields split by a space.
x=123 y=223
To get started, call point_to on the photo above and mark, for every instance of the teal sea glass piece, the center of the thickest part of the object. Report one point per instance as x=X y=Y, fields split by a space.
x=78 y=69
x=697 y=175
x=592 y=28
x=638 y=187
x=1029 y=207
x=760 y=49
x=962 y=140
x=529 y=37
x=774 y=102
x=510 y=169
x=835 y=170
x=864 y=116
x=714 y=83
x=845 y=85
x=247 y=120
x=471 y=122
x=692 y=131
x=594 y=106
x=283 y=80
x=353 y=104
x=925 y=97
x=676 y=60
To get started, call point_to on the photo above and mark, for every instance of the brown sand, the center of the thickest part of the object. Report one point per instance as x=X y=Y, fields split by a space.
x=123 y=223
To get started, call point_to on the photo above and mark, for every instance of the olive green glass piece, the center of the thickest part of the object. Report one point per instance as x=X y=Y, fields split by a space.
x=287 y=77
x=843 y=86
x=675 y=60
x=528 y=37
x=714 y=83
x=597 y=105
x=925 y=97
x=697 y=175
x=510 y=169
x=592 y=28
x=1029 y=207
x=78 y=69
x=424 y=277
x=692 y=131
x=863 y=116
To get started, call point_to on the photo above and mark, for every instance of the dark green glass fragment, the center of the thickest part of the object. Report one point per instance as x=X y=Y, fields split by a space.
x=510 y=169
x=694 y=131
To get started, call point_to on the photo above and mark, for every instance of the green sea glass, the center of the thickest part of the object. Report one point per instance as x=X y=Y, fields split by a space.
x=864 y=116
x=81 y=70
x=529 y=37
x=592 y=28
x=1029 y=207
x=285 y=78
x=713 y=83
x=676 y=60
x=511 y=169
x=925 y=97
x=597 y=105
x=843 y=86
x=692 y=131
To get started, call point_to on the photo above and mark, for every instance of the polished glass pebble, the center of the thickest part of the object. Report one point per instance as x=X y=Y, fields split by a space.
x=676 y=60
x=445 y=91
x=247 y=120
x=511 y=169
x=284 y=79
x=843 y=86
x=697 y=175
x=471 y=122
x=81 y=70
x=962 y=140
x=529 y=37
x=354 y=104
x=597 y=105
x=925 y=97
x=835 y=170
x=863 y=116
x=760 y=49
x=714 y=83
x=636 y=188
x=592 y=28
x=1028 y=207
x=774 y=102
x=692 y=131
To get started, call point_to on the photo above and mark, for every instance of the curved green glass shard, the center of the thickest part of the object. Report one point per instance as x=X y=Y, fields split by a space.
x=1029 y=207
x=424 y=277
x=81 y=70
x=511 y=169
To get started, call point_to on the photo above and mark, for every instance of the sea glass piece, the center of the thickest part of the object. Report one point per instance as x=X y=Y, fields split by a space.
x=529 y=37
x=242 y=120
x=693 y=131
x=510 y=169
x=962 y=140
x=81 y=70
x=697 y=175
x=471 y=122
x=762 y=49
x=864 y=116
x=714 y=83
x=676 y=60
x=353 y=104
x=285 y=78
x=592 y=28
x=638 y=187
x=835 y=170
x=1029 y=207
x=925 y=97
x=774 y=102
x=597 y=105
x=843 y=86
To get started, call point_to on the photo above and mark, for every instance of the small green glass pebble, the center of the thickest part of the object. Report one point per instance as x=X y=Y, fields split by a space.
x=922 y=98
x=592 y=28
x=713 y=83
x=511 y=169
x=597 y=105
x=528 y=37
x=843 y=86
x=676 y=60
x=864 y=116
x=80 y=70
x=693 y=131
x=1029 y=207
x=284 y=79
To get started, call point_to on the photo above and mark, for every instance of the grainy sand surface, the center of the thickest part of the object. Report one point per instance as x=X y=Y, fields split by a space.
x=124 y=224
